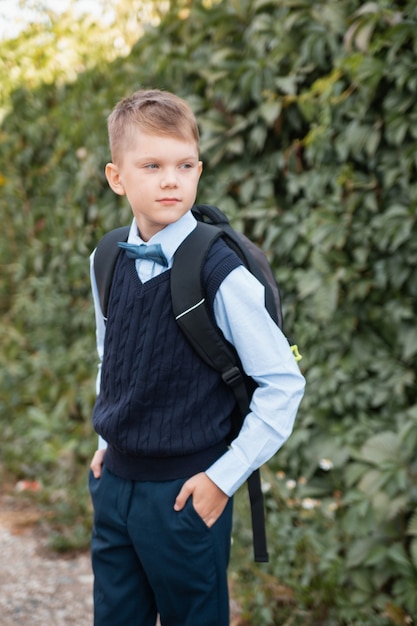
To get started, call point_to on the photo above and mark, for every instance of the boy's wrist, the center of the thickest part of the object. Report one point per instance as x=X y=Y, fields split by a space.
x=226 y=475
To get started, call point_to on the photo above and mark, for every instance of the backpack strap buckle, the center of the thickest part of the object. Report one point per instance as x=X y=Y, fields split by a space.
x=232 y=376
x=296 y=353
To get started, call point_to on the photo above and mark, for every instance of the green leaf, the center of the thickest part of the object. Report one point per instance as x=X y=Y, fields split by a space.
x=397 y=554
x=380 y=447
x=358 y=552
x=412 y=524
x=372 y=481
x=413 y=552
x=270 y=111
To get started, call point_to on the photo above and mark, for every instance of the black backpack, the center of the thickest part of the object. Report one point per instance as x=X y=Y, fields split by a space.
x=194 y=319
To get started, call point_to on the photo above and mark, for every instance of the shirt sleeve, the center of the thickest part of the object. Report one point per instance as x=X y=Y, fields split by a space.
x=100 y=333
x=265 y=356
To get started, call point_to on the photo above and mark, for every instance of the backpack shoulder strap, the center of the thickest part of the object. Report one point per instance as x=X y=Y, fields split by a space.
x=105 y=258
x=252 y=256
x=191 y=314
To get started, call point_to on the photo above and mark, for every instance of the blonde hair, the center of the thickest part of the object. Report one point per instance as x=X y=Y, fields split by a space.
x=153 y=112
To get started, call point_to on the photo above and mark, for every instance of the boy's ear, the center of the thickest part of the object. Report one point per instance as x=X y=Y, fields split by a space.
x=113 y=178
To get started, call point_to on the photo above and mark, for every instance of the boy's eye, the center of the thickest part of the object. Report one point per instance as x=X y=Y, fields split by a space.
x=186 y=166
x=151 y=166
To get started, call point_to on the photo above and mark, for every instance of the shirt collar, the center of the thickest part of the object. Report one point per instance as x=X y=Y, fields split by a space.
x=170 y=237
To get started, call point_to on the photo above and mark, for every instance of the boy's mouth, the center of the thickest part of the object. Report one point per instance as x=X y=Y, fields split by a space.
x=169 y=200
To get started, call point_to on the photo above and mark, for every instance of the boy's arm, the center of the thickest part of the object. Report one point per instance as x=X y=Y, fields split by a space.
x=97 y=461
x=266 y=356
x=100 y=325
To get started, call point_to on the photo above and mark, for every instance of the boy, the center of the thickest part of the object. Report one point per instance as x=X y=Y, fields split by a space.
x=163 y=477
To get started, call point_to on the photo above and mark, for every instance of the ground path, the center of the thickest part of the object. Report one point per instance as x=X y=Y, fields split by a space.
x=38 y=586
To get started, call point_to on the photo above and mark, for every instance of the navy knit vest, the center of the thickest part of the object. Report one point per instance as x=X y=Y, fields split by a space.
x=164 y=413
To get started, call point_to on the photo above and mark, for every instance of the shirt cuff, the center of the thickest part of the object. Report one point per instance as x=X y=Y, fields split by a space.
x=228 y=474
x=102 y=444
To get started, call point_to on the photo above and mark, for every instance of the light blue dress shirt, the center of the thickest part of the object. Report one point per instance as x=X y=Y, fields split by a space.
x=263 y=350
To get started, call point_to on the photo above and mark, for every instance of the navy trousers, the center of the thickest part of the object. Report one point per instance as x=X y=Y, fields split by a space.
x=149 y=559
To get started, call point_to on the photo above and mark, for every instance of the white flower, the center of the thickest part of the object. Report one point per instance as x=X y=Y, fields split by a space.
x=81 y=153
x=265 y=487
x=291 y=484
x=309 y=503
x=332 y=507
x=326 y=464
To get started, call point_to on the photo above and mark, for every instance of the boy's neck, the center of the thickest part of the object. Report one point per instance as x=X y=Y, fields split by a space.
x=145 y=237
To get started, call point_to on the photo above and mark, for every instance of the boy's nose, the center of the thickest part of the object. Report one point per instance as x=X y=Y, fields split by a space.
x=169 y=179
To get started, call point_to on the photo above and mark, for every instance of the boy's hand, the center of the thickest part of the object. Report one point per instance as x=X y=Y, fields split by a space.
x=96 y=464
x=209 y=500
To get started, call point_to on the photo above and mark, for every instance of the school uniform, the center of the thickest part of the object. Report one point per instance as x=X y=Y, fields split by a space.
x=163 y=416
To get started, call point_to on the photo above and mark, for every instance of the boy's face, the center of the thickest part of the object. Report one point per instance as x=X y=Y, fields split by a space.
x=159 y=176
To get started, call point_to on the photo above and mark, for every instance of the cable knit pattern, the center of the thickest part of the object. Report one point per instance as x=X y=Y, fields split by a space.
x=162 y=410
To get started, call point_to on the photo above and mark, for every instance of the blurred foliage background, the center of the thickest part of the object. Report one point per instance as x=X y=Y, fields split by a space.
x=308 y=118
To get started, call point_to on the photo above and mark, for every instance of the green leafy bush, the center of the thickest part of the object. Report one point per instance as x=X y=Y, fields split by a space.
x=309 y=138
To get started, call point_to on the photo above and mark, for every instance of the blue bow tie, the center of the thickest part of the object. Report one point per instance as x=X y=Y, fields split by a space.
x=152 y=252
